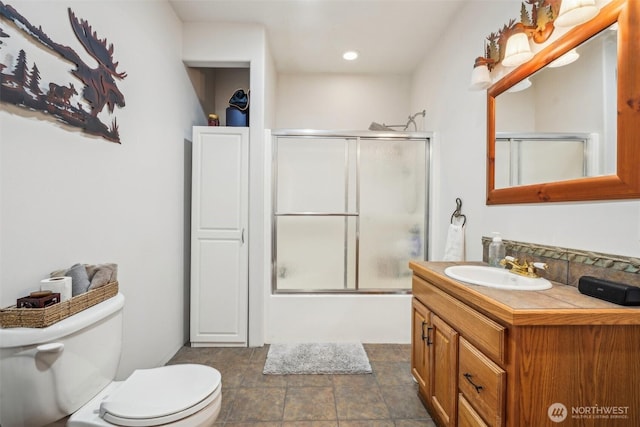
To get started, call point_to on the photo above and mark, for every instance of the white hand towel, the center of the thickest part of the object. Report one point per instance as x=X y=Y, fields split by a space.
x=454 y=248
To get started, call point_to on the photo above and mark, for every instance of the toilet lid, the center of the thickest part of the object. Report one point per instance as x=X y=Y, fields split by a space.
x=151 y=397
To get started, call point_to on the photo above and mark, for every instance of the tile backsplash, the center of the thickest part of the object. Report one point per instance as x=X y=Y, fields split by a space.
x=568 y=265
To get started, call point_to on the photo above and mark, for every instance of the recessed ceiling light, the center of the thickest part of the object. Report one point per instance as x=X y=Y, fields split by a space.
x=350 y=55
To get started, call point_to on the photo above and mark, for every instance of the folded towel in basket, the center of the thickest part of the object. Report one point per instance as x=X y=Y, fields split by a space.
x=79 y=279
x=85 y=277
x=102 y=274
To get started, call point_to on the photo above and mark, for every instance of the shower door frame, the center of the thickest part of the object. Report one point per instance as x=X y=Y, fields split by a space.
x=356 y=136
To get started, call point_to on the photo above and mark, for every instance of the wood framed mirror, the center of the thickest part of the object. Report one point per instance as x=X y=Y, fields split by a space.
x=624 y=183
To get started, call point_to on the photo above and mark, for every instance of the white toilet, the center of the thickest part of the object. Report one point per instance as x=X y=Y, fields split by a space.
x=68 y=368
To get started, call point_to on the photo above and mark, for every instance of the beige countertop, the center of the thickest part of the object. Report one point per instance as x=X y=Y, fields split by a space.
x=560 y=305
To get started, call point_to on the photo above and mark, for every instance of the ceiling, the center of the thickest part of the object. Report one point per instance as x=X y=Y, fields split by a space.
x=391 y=36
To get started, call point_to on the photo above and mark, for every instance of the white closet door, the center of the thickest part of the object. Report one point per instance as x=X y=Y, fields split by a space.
x=219 y=237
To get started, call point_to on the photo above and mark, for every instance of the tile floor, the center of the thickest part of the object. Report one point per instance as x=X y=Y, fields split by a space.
x=386 y=398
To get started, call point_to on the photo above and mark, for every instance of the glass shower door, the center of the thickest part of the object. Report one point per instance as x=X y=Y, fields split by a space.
x=315 y=214
x=348 y=213
x=392 y=211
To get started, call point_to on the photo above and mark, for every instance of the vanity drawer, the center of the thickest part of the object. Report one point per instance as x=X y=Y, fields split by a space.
x=476 y=327
x=482 y=383
x=467 y=416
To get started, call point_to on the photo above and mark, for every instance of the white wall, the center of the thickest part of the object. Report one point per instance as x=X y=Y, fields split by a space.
x=67 y=197
x=460 y=152
x=271 y=88
x=341 y=101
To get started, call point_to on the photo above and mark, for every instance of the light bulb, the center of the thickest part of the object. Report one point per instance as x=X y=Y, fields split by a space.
x=575 y=12
x=350 y=55
x=517 y=50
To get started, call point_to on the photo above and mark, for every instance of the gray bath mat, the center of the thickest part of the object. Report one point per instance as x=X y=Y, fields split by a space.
x=324 y=358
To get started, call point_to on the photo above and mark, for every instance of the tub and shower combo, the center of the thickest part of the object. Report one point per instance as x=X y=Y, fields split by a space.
x=349 y=210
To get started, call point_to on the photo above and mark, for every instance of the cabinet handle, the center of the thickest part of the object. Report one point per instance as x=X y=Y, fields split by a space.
x=477 y=387
x=428 y=337
x=242 y=236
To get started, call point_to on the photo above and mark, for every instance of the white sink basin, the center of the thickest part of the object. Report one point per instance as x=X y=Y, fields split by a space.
x=493 y=277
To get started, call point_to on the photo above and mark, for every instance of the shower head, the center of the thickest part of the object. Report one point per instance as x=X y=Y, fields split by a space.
x=385 y=127
x=378 y=126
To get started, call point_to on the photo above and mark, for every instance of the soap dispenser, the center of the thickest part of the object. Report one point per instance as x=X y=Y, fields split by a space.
x=497 y=251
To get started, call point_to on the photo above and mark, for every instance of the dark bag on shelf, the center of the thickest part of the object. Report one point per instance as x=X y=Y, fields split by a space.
x=240 y=100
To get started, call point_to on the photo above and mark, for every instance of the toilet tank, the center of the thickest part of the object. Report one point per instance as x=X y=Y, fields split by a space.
x=49 y=373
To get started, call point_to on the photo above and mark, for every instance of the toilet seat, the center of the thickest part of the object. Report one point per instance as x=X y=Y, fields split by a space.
x=151 y=397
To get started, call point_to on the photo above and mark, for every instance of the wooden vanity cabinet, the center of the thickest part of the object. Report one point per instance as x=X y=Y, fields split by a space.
x=434 y=362
x=439 y=349
x=482 y=383
x=484 y=357
x=444 y=368
x=467 y=416
x=420 y=343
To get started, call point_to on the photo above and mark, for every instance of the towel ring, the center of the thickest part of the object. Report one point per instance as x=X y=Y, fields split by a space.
x=458 y=212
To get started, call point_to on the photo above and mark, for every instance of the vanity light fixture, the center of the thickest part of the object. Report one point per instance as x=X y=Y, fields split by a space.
x=565 y=59
x=510 y=46
x=480 y=77
x=575 y=12
x=350 y=55
x=517 y=50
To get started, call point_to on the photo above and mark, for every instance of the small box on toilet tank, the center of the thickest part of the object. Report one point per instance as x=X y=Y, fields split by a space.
x=38 y=300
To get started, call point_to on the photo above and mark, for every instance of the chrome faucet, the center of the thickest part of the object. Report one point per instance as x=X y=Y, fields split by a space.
x=527 y=269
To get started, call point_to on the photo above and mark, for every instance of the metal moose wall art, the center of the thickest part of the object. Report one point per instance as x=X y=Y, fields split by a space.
x=78 y=104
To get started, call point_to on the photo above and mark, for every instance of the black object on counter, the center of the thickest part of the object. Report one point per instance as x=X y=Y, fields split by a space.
x=618 y=293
